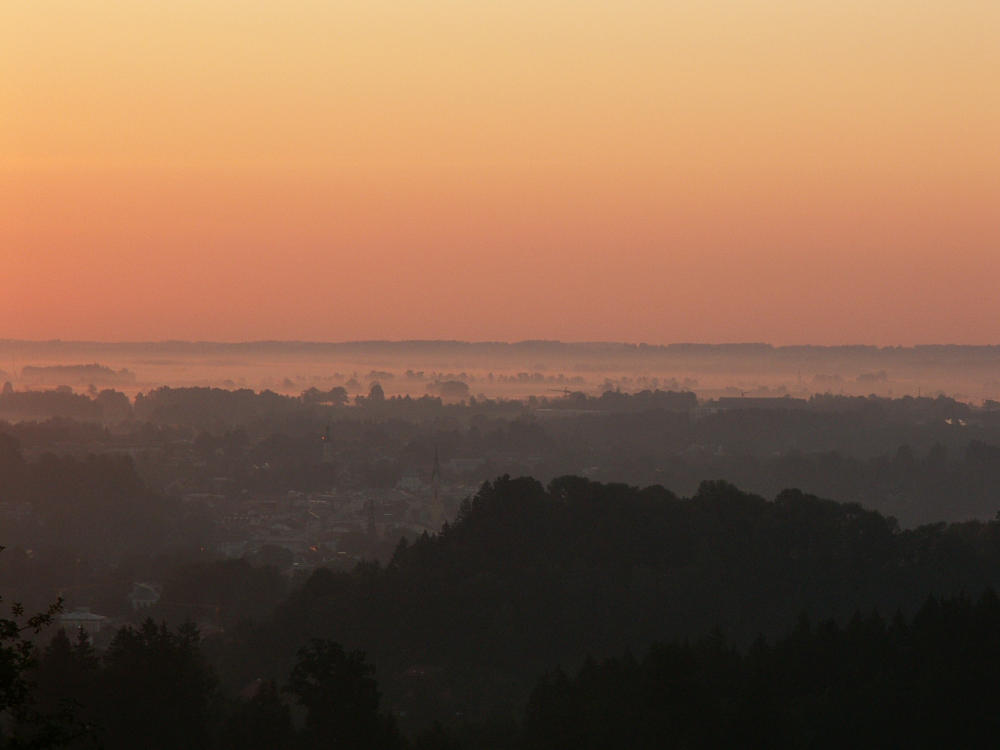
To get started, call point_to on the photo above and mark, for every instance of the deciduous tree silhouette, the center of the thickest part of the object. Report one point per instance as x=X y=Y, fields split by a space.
x=341 y=699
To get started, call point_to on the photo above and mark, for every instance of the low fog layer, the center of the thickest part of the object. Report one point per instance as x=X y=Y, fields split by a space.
x=491 y=369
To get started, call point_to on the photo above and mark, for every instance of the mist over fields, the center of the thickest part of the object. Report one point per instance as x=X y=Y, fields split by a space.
x=966 y=373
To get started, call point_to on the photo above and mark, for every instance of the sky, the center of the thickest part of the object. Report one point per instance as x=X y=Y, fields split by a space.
x=638 y=170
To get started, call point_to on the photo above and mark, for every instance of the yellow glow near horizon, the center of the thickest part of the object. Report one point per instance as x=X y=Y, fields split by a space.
x=717 y=170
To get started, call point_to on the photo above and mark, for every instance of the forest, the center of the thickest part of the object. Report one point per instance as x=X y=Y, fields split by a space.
x=466 y=638
x=647 y=569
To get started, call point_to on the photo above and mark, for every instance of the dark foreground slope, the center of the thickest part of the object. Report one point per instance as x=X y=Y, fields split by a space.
x=529 y=578
x=460 y=626
x=926 y=683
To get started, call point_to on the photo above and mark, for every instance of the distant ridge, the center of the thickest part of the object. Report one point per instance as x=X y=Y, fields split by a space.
x=924 y=361
x=682 y=346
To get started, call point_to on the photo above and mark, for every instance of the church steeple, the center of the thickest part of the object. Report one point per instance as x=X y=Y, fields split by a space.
x=327 y=446
x=437 y=506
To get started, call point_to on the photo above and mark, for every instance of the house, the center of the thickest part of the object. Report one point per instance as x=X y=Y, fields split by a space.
x=464 y=465
x=144 y=595
x=411 y=482
x=83 y=619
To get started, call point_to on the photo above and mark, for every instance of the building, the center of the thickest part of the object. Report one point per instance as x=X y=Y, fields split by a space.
x=83 y=619
x=144 y=595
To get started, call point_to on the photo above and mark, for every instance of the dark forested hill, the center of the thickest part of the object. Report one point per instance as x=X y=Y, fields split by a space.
x=531 y=577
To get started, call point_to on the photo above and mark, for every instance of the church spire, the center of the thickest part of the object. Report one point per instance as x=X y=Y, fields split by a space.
x=437 y=506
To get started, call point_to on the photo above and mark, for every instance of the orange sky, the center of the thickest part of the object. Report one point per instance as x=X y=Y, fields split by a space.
x=643 y=170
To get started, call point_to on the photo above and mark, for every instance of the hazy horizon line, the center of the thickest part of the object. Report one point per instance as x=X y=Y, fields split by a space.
x=483 y=342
